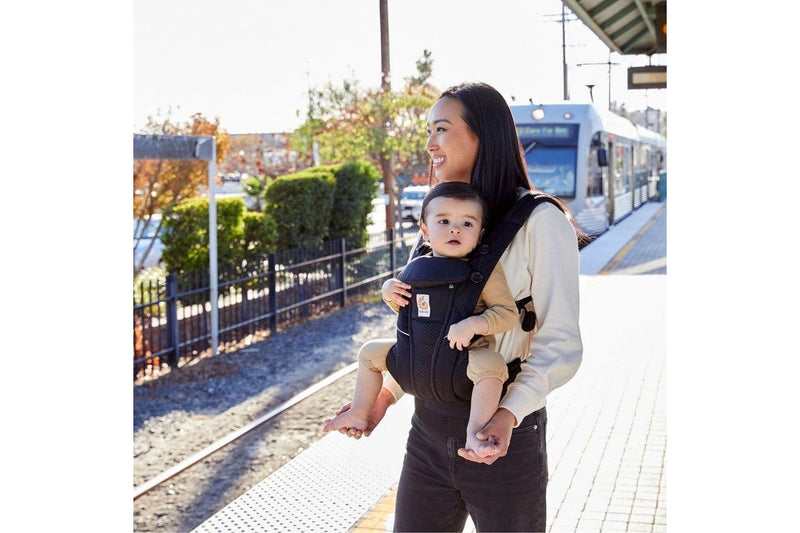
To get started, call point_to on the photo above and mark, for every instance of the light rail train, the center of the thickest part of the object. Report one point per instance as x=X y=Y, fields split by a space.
x=600 y=164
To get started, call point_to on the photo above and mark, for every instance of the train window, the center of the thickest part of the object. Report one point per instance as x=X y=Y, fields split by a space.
x=552 y=170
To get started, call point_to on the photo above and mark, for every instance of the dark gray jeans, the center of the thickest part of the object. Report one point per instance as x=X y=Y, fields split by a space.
x=438 y=488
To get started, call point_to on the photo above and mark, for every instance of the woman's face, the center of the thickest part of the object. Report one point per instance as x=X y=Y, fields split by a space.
x=452 y=145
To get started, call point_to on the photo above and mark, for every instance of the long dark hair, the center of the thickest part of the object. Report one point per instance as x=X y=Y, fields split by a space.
x=499 y=168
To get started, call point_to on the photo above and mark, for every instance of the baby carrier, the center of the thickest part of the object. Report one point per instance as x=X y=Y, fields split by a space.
x=444 y=291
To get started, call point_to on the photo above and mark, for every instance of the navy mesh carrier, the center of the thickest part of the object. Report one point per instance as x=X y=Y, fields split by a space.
x=445 y=291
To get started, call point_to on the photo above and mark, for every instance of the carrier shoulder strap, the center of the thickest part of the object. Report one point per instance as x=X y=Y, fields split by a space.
x=493 y=246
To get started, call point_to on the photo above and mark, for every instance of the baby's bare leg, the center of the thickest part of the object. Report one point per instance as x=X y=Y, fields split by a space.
x=488 y=371
x=368 y=385
x=369 y=380
x=485 y=399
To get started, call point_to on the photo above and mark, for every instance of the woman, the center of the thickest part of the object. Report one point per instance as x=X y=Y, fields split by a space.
x=472 y=138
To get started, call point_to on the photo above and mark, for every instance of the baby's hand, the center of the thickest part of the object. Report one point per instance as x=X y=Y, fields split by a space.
x=395 y=291
x=460 y=335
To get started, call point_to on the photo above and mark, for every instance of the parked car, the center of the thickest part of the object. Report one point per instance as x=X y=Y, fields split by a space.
x=411 y=201
x=146 y=229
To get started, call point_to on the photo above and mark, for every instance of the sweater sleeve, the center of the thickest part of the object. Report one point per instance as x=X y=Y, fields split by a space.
x=548 y=246
x=501 y=309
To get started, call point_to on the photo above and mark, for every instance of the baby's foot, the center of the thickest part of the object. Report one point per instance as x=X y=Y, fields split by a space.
x=481 y=448
x=346 y=420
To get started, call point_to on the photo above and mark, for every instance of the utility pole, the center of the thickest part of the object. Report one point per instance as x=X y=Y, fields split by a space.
x=564 y=49
x=386 y=87
x=563 y=21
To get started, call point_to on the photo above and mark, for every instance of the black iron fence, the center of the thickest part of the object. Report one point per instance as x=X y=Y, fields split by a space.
x=172 y=316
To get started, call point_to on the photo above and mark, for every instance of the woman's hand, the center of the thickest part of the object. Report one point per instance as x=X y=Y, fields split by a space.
x=497 y=432
x=376 y=414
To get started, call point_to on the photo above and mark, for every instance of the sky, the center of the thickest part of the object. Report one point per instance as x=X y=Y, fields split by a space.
x=251 y=62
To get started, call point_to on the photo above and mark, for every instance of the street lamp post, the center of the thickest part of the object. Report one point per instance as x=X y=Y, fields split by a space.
x=386 y=86
x=609 y=63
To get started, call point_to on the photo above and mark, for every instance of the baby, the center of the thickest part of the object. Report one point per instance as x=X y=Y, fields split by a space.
x=452 y=222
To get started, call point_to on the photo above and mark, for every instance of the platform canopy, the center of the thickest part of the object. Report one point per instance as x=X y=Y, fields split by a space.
x=627 y=27
x=172 y=146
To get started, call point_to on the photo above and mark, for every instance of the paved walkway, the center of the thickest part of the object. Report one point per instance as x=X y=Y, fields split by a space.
x=606 y=427
x=617 y=241
x=646 y=252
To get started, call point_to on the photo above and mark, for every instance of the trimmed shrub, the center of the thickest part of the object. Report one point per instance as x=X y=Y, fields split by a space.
x=301 y=205
x=238 y=234
x=352 y=202
x=260 y=235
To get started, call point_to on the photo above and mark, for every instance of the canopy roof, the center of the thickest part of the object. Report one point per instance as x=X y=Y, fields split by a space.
x=627 y=27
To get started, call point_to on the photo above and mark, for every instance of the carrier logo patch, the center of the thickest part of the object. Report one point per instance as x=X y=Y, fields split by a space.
x=423 y=305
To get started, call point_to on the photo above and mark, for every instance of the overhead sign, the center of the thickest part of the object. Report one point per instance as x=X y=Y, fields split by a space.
x=647 y=77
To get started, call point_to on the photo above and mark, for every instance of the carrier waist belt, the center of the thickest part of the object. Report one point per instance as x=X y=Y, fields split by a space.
x=451 y=418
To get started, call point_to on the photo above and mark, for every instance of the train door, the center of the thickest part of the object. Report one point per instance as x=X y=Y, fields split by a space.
x=622 y=177
x=594 y=217
x=609 y=182
x=635 y=201
x=652 y=173
x=639 y=174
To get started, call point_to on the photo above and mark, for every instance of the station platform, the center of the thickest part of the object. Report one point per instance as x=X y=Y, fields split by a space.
x=606 y=435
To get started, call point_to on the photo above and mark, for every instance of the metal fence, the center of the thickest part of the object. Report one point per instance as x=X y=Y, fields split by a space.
x=172 y=316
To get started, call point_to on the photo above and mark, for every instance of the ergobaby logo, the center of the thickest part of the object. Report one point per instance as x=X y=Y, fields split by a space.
x=423 y=305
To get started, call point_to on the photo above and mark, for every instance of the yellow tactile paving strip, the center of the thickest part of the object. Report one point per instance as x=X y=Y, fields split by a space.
x=380 y=517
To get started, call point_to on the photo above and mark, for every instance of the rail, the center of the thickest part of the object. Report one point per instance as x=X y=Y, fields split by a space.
x=149 y=485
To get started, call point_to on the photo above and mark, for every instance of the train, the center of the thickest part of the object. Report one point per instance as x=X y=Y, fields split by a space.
x=600 y=164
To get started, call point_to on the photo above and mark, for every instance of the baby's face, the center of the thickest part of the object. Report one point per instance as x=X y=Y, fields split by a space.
x=453 y=227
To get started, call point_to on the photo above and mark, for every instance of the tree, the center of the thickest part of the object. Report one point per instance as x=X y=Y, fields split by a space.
x=345 y=122
x=161 y=184
x=424 y=69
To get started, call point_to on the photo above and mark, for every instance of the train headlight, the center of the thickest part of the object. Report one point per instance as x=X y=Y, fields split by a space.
x=538 y=113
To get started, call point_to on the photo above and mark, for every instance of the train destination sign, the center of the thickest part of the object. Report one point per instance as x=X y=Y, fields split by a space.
x=545 y=131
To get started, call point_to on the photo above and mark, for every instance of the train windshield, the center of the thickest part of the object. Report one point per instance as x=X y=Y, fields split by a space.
x=552 y=169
